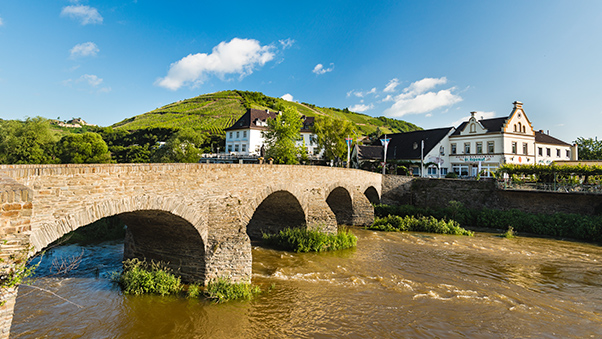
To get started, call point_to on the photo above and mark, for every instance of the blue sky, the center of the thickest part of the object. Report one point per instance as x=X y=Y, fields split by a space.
x=427 y=62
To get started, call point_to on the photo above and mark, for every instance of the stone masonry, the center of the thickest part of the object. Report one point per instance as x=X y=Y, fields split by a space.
x=193 y=215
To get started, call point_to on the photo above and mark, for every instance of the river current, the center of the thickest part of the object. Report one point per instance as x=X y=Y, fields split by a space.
x=393 y=285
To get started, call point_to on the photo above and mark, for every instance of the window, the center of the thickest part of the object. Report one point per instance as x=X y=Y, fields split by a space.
x=460 y=170
x=525 y=148
x=473 y=128
x=230 y=135
x=490 y=147
x=557 y=153
x=568 y=153
x=244 y=134
x=415 y=171
x=230 y=146
x=540 y=151
x=443 y=171
x=237 y=134
x=514 y=147
x=514 y=127
x=442 y=150
x=548 y=152
x=479 y=148
x=520 y=127
x=236 y=148
x=243 y=147
x=524 y=129
x=467 y=148
x=453 y=148
x=432 y=170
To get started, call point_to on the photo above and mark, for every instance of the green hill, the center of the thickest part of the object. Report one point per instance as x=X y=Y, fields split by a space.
x=216 y=111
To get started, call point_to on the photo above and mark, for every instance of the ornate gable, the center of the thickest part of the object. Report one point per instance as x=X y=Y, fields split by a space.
x=473 y=126
x=518 y=122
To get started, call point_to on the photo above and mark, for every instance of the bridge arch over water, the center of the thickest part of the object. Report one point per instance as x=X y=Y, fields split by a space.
x=199 y=217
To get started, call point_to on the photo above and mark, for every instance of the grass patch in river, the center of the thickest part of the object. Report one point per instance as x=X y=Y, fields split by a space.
x=139 y=277
x=395 y=223
x=303 y=240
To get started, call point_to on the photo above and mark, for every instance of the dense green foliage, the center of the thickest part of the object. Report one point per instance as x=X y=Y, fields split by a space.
x=331 y=134
x=222 y=289
x=28 y=142
x=589 y=149
x=183 y=146
x=561 y=225
x=282 y=135
x=303 y=240
x=552 y=173
x=16 y=272
x=86 y=148
x=139 y=277
x=418 y=224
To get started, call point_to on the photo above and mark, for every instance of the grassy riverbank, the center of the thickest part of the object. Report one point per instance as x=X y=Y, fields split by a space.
x=303 y=240
x=140 y=277
x=575 y=226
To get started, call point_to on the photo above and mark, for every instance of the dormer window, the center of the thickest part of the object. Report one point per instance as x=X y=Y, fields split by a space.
x=415 y=146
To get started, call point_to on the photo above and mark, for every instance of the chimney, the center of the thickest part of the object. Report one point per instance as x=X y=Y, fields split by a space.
x=541 y=131
x=518 y=105
x=472 y=114
x=548 y=132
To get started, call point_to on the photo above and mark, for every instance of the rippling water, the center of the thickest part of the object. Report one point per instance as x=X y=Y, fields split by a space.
x=393 y=285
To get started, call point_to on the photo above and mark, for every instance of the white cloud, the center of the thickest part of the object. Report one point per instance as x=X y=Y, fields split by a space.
x=391 y=85
x=239 y=56
x=1 y=22
x=417 y=98
x=389 y=97
x=83 y=50
x=360 y=108
x=91 y=79
x=319 y=69
x=85 y=14
x=287 y=97
x=372 y=91
x=286 y=43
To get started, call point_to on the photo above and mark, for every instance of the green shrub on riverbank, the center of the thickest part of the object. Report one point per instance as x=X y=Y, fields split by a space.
x=303 y=240
x=222 y=289
x=139 y=277
x=418 y=224
x=575 y=226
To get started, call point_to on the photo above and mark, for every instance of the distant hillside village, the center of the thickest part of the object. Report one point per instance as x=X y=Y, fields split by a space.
x=73 y=123
x=476 y=146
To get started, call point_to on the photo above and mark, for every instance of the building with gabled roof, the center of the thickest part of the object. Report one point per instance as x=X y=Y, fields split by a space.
x=245 y=136
x=478 y=146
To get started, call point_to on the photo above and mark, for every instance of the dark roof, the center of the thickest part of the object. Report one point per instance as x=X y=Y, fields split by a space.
x=253 y=116
x=369 y=152
x=542 y=138
x=250 y=119
x=406 y=146
x=491 y=125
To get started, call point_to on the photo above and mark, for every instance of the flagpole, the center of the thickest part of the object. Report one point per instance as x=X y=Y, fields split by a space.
x=385 y=143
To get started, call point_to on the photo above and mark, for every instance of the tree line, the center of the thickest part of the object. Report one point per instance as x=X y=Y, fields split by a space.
x=37 y=141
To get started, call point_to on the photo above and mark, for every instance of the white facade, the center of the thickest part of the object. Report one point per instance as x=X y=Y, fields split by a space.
x=244 y=142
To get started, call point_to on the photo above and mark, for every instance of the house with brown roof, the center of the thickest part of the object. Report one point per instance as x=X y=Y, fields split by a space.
x=245 y=136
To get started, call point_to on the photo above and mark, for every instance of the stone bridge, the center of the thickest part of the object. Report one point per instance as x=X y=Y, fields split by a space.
x=200 y=218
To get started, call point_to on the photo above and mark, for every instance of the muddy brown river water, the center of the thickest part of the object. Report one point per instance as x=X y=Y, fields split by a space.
x=393 y=285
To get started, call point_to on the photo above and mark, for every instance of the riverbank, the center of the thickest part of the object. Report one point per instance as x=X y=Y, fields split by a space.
x=559 y=225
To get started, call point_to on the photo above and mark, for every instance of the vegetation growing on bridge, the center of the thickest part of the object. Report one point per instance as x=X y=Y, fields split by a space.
x=575 y=226
x=303 y=240
x=397 y=223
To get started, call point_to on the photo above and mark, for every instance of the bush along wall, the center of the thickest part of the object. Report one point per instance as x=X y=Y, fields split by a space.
x=563 y=225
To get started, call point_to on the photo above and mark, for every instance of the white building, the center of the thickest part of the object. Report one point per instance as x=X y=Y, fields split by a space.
x=478 y=146
x=245 y=136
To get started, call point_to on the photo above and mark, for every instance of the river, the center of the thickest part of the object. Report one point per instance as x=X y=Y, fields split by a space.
x=393 y=285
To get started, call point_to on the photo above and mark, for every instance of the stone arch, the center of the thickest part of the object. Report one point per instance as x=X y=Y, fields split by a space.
x=341 y=204
x=372 y=194
x=279 y=210
x=158 y=229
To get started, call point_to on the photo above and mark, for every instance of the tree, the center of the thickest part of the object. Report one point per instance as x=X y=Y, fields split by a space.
x=282 y=135
x=85 y=148
x=589 y=149
x=331 y=134
x=183 y=146
x=29 y=142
